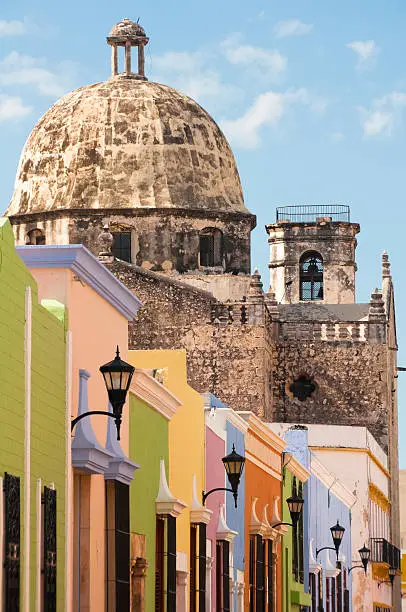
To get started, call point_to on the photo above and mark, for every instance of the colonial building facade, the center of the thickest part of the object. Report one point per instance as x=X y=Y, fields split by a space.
x=144 y=177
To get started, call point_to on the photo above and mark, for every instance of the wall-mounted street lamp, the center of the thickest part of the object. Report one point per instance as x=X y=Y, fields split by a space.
x=233 y=465
x=392 y=574
x=364 y=554
x=295 y=505
x=337 y=533
x=117 y=376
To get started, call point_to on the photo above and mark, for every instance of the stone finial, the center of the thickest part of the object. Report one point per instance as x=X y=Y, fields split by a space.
x=376 y=307
x=272 y=304
x=385 y=265
x=105 y=240
x=255 y=290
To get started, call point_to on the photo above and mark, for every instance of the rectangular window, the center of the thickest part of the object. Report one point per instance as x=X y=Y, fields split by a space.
x=202 y=567
x=160 y=565
x=333 y=595
x=339 y=588
x=269 y=573
x=122 y=246
x=223 y=576
x=252 y=573
x=313 y=591
x=260 y=574
x=207 y=250
x=171 y=564
x=118 y=545
x=12 y=542
x=193 y=567
x=49 y=534
x=328 y=596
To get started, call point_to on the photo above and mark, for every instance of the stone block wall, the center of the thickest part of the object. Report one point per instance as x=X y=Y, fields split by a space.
x=351 y=384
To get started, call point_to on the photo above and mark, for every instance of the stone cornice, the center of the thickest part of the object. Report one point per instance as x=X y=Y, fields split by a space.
x=296 y=468
x=87 y=268
x=262 y=431
x=133 y=212
x=153 y=393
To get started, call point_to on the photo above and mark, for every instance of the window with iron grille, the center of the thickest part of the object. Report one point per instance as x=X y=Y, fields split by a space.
x=339 y=588
x=313 y=591
x=12 y=542
x=328 y=596
x=333 y=595
x=171 y=563
x=311 y=276
x=118 y=545
x=260 y=574
x=160 y=564
x=121 y=248
x=197 y=578
x=269 y=576
x=49 y=537
x=223 y=576
x=252 y=573
x=320 y=591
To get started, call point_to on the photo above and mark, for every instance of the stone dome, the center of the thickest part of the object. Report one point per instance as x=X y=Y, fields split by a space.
x=126 y=144
x=126 y=29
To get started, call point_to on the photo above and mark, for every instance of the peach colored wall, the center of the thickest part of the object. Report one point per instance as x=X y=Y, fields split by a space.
x=96 y=329
x=265 y=487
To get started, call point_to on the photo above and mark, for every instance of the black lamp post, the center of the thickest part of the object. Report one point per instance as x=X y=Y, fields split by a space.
x=295 y=505
x=364 y=554
x=117 y=376
x=233 y=465
x=337 y=533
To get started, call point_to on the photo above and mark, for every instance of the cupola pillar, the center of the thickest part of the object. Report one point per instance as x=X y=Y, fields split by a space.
x=128 y=34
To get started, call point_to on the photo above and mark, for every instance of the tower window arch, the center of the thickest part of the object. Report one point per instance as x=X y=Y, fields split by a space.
x=311 y=276
x=121 y=248
x=211 y=247
x=35 y=236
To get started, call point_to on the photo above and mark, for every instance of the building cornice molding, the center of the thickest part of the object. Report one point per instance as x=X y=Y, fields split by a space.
x=355 y=449
x=297 y=469
x=87 y=268
x=262 y=431
x=153 y=393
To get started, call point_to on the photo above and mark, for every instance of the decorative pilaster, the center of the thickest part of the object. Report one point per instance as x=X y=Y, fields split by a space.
x=138 y=575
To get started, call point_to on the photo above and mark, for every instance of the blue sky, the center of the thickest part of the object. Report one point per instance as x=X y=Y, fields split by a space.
x=312 y=95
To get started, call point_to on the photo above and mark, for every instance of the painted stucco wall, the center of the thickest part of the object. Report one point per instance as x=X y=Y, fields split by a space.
x=48 y=443
x=148 y=445
x=215 y=477
x=186 y=433
x=96 y=329
x=294 y=593
x=235 y=516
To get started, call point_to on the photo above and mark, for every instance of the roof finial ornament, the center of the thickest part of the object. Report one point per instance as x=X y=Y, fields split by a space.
x=128 y=34
x=385 y=264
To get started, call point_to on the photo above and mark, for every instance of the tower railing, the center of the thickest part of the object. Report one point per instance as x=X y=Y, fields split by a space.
x=310 y=213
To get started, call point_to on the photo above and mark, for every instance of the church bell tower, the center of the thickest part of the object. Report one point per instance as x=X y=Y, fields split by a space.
x=312 y=254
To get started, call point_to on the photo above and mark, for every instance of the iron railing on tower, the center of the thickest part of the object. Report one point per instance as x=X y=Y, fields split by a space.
x=310 y=213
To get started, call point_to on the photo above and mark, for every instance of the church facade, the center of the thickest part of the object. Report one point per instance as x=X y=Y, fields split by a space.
x=143 y=176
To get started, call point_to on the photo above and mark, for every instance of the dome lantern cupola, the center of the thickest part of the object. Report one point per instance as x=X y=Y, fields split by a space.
x=128 y=34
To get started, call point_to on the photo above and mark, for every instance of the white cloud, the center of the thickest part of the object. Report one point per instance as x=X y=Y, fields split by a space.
x=264 y=63
x=12 y=108
x=384 y=114
x=193 y=74
x=367 y=51
x=292 y=27
x=12 y=28
x=267 y=110
x=17 y=69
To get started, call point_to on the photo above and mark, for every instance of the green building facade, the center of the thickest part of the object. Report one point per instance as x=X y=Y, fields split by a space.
x=294 y=597
x=149 y=444
x=33 y=439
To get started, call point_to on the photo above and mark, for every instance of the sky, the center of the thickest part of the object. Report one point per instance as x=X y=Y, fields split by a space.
x=310 y=93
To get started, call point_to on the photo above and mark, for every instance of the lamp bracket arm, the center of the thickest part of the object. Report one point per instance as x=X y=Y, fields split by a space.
x=91 y=412
x=279 y=524
x=318 y=550
x=355 y=567
x=206 y=495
